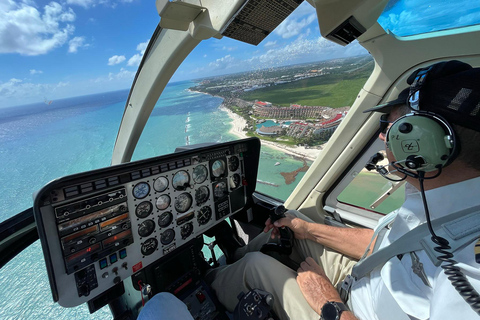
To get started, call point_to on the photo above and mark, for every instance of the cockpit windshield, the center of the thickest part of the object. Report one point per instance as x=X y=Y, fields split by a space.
x=414 y=17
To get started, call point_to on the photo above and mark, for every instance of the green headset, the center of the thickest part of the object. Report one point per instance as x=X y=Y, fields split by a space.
x=422 y=140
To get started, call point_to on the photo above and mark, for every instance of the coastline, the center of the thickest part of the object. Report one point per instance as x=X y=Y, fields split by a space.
x=238 y=123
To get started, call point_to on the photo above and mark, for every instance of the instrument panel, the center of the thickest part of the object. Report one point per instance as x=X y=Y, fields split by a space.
x=99 y=227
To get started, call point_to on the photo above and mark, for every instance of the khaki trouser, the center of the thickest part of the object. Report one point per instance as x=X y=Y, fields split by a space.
x=257 y=270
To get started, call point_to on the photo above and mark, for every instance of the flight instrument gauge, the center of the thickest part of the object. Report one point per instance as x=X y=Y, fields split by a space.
x=160 y=184
x=183 y=202
x=167 y=236
x=218 y=168
x=141 y=190
x=144 y=209
x=233 y=163
x=220 y=190
x=234 y=181
x=163 y=202
x=186 y=230
x=200 y=173
x=181 y=180
x=146 y=228
x=149 y=246
x=201 y=195
x=165 y=219
x=204 y=215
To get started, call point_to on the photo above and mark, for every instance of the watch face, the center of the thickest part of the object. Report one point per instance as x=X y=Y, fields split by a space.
x=329 y=312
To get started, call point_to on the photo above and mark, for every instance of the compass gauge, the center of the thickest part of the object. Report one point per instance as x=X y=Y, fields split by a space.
x=183 y=202
x=163 y=202
x=144 y=209
x=141 y=190
x=160 y=184
x=200 y=173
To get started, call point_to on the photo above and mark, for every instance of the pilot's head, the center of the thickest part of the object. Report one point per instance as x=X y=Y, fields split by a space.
x=435 y=120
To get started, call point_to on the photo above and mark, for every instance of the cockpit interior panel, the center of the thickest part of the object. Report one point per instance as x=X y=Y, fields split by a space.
x=100 y=227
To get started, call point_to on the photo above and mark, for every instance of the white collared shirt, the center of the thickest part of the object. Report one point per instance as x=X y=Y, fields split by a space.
x=394 y=292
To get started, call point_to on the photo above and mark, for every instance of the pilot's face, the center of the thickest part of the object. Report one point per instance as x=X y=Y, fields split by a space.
x=392 y=116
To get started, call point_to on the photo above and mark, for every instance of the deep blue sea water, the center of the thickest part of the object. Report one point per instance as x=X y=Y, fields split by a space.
x=40 y=142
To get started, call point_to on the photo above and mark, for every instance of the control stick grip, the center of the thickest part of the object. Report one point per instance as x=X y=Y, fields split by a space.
x=277 y=213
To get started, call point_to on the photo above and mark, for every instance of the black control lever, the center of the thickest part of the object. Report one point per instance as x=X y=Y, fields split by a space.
x=286 y=234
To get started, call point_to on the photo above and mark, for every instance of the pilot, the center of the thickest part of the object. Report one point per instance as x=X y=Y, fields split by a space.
x=446 y=99
x=431 y=133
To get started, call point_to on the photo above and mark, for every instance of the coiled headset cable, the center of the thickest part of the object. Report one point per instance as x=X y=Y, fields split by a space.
x=454 y=274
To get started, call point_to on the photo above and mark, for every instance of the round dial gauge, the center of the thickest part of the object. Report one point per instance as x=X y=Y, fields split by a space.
x=181 y=180
x=234 y=181
x=165 y=219
x=201 y=195
x=218 y=168
x=233 y=163
x=220 y=190
x=160 y=184
x=183 y=202
x=200 y=173
x=186 y=230
x=141 y=190
x=163 y=202
x=167 y=236
x=149 y=246
x=146 y=228
x=204 y=215
x=144 y=209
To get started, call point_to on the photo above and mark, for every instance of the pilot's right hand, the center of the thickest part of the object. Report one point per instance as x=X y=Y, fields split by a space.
x=297 y=225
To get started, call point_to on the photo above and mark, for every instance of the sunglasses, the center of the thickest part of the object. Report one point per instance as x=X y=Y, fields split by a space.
x=384 y=123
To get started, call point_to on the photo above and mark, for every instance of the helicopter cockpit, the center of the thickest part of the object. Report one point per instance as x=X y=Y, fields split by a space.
x=118 y=235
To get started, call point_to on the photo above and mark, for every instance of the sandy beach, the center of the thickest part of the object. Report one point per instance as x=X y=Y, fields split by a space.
x=237 y=129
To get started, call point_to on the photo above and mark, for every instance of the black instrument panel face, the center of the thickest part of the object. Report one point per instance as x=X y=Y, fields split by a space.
x=98 y=228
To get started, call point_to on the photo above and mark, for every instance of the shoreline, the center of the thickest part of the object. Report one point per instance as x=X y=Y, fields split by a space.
x=238 y=123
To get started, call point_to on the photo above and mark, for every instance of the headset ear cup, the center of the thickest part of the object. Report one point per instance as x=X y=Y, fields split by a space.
x=421 y=141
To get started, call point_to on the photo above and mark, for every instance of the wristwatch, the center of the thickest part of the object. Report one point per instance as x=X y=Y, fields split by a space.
x=332 y=310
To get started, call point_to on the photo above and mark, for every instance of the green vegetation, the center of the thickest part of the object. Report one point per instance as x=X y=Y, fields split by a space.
x=358 y=194
x=333 y=90
x=289 y=141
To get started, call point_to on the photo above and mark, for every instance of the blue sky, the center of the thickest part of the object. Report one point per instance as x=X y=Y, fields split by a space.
x=57 y=49
x=64 y=48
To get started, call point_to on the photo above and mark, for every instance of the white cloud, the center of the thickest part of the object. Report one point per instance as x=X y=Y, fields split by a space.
x=304 y=50
x=223 y=63
x=24 y=30
x=15 y=91
x=135 y=60
x=292 y=27
x=33 y=71
x=270 y=44
x=75 y=43
x=229 y=48
x=82 y=3
x=115 y=60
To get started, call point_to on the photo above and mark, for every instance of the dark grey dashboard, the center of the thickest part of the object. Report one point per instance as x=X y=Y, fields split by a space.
x=100 y=227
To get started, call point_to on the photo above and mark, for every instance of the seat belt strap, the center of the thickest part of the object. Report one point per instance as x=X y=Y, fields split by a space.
x=459 y=228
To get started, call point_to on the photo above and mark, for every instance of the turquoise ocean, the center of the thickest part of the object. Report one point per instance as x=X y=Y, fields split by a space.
x=41 y=142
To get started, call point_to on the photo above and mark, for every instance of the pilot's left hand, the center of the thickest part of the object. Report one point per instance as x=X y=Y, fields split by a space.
x=315 y=286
